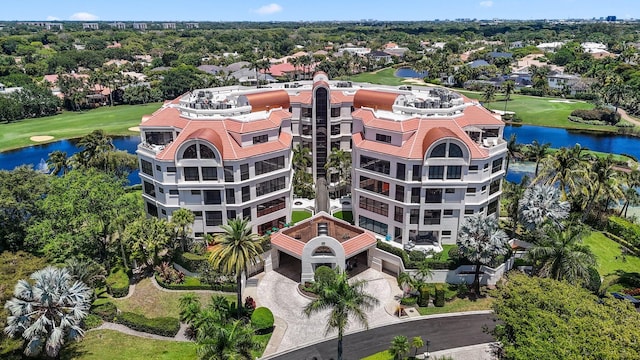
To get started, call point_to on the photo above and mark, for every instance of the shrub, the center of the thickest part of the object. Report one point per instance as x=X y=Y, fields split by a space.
x=417 y=255
x=163 y=326
x=262 y=320
x=189 y=283
x=190 y=261
x=594 y=282
x=604 y=115
x=106 y=311
x=168 y=274
x=118 y=283
x=423 y=299
x=624 y=229
x=395 y=251
x=439 y=300
x=249 y=303
x=92 y=321
x=324 y=274
x=409 y=301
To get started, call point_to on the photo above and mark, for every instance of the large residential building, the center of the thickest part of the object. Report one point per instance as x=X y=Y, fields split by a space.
x=423 y=158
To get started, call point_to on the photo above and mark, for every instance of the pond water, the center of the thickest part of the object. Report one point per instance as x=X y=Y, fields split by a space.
x=406 y=72
x=37 y=155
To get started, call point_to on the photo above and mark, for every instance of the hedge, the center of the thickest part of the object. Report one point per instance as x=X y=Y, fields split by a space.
x=625 y=229
x=192 y=283
x=118 y=283
x=439 y=300
x=190 y=261
x=262 y=320
x=423 y=299
x=607 y=116
x=163 y=326
x=409 y=301
x=634 y=249
x=324 y=274
x=106 y=311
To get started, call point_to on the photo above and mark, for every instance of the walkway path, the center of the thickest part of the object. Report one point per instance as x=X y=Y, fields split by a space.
x=628 y=117
x=126 y=330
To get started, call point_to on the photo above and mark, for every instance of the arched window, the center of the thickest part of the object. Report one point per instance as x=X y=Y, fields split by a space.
x=455 y=151
x=439 y=150
x=190 y=153
x=323 y=250
x=206 y=152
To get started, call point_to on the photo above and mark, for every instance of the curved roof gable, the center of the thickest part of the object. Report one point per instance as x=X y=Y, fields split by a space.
x=207 y=135
x=268 y=100
x=434 y=135
x=379 y=100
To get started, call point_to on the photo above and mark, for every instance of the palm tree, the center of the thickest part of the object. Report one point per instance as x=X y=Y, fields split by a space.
x=565 y=168
x=189 y=307
x=631 y=196
x=232 y=342
x=416 y=343
x=602 y=175
x=234 y=250
x=488 y=93
x=301 y=157
x=563 y=257
x=58 y=162
x=344 y=299
x=538 y=152
x=182 y=219
x=86 y=271
x=481 y=241
x=512 y=194
x=48 y=312
x=512 y=149
x=541 y=204
x=507 y=87
x=339 y=161
x=93 y=146
x=399 y=347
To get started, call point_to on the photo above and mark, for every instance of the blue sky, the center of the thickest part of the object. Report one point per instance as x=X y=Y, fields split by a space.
x=295 y=10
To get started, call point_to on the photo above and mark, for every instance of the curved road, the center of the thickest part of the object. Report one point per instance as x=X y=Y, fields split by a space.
x=442 y=332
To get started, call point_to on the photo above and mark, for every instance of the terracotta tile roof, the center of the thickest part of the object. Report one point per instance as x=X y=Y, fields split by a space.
x=274 y=120
x=380 y=100
x=359 y=243
x=268 y=100
x=339 y=97
x=167 y=116
x=287 y=243
x=208 y=135
x=477 y=115
x=303 y=97
x=434 y=135
x=281 y=69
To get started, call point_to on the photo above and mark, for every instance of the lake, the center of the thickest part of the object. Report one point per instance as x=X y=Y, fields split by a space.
x=36 y=155
x=406 y=72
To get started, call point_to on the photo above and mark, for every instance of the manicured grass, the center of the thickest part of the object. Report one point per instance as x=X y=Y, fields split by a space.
x=382 y=77
x=113 y=120
x=458 y=305
x=151 y=302
x=344 y=215
x=109 y=344
x=445 y=252
x=299 y=215
x=383 y=355
x=542 y=111
x=609 y=256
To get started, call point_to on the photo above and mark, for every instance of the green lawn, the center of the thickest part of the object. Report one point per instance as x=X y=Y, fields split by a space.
x=299 y=215
x=382 y=77
x=344 y=215
x=542 y=111
x=113 y=120
x=383 y=355
x=458 y=305
x=445 y=251
x=609 y=256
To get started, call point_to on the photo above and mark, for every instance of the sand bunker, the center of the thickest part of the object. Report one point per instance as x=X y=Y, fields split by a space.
x=41 y=138
x=563 y=101
x=134 y=128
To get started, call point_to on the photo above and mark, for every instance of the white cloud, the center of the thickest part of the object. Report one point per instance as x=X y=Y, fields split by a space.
x=52 y=18
x=486 y=3
x=83 y=16
x=269 y=9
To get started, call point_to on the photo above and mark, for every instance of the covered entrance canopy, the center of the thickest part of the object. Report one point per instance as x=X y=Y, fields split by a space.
x=322 y=240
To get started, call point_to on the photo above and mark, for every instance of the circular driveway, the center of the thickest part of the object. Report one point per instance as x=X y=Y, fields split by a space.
x=280 y=294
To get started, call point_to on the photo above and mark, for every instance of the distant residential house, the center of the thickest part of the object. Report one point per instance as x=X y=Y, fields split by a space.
x=354 y=51
x=380 y=56
x=46 y=25
x=114 y=45
x=211 y=69
x=498 y=54
x=8 y=90
x=116 y=62
x=516 y=45
x=550 y=46
x=248 y=77
x=478 y=63
x=90 y=26
x=237 y=66
x=567 y=82
x=591 y=47
x=160 y=69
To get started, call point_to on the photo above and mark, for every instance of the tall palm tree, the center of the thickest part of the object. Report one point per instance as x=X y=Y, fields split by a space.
x=541 y=204
x=566 y=167
x=182 y=219
x=339 y=161
x=562 y=256
x=189 y=307
x=86 y=271
x=399 y=347
x=416 y=343
x=344 y=299
x=512 y=194
x=538 y=152
x=232 y=342
x=481 y=241
x=488 y=93
x=48 y=312
x=301 y=157
x=512 y=148
x=602 y=175
x=58 y=162
x=507 y=87
x=631 y=196
x=234 y=250
x=93 y=147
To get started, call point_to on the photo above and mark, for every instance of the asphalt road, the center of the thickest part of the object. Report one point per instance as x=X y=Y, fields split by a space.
x=443 y=333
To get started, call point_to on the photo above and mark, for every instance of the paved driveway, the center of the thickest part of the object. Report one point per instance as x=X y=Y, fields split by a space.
x=280 y=294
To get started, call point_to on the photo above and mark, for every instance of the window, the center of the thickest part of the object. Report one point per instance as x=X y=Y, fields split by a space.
x=197 y=214
x=335 y=145
x=209 y=173
x=228 y=174
x=260 y=139
x=246 y=213
x=432 y=217
x=414 y=216
x=246 y=193
x=496 y=166
x=231 y=214
x=213 y=218
x=486 y=166
x=492 y=208
x=374 y=185
x=306 y=112
x=190 y=152
x=269 y=165
x=400 y=171
x=448 y=212
x=374 y=206
x=484 y=187
x=454 y=172
x=195 y=192
x=439 y=150
x=152 y=209
x=494 y=187
x=212 y=197
x=417 y=173
x=473 y=167
x=163 y=211
x=306 y=130
x=398 y=214
x=335 y=129
x=373 y=164
x=436 y=172
x=433 y=196
x=471 y=190
x=372 y=225
x=455 y=151
x=335 y=112
x=397 y=235
x=206 y=152
x=191 y=174
x=383 y=138
x=173 y=192
x=244 y=171
x=161 y=190
x=271 y=206
x=450 y=191
x=158 y=168
x=446 y=232
x=468 y=211
x=171 y=169
x=415 y=195
x=230 y=195
x=149 y=189
x=270 y=186
x=147 y=168
x=400 y=193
